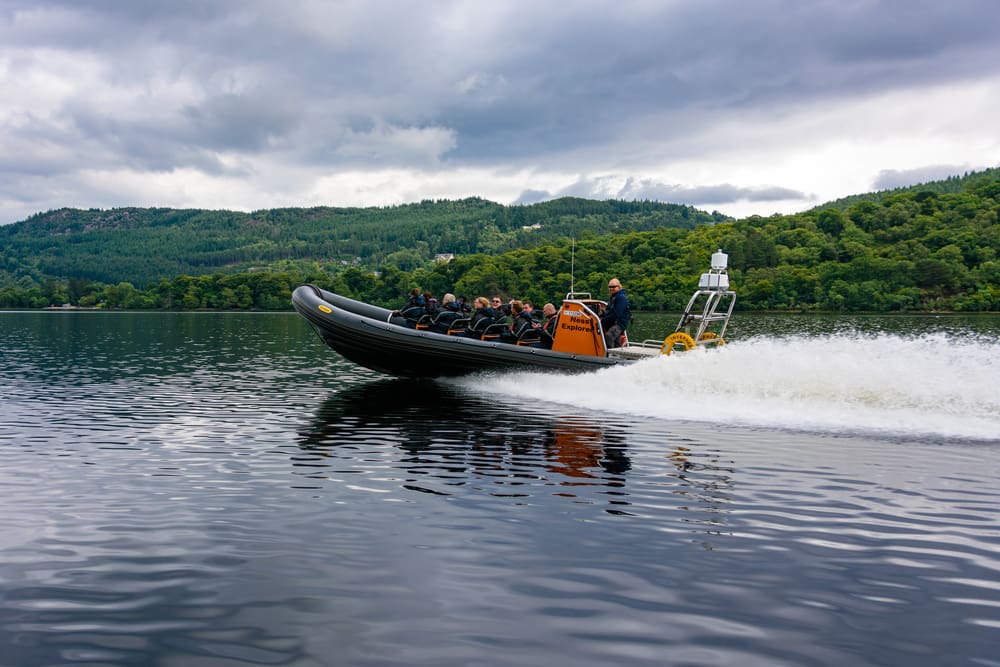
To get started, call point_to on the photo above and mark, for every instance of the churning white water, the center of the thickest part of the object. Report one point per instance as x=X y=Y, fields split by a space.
x=935 y=385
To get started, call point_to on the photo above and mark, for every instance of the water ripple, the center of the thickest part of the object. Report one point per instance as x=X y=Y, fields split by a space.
x=213 y=490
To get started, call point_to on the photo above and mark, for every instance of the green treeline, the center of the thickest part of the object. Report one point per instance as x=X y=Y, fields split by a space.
x=913 y=250
x=143 y=246
x=950 y=185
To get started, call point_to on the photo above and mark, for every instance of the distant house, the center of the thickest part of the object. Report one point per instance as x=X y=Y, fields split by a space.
x=444 y=257
x=537 y=225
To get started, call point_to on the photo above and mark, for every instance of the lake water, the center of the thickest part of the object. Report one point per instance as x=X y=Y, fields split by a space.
x=221 y=489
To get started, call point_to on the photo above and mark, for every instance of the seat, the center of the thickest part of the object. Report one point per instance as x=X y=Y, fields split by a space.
x=458 y=326
x=493 y=332
x=545 y=338
x=530 y=337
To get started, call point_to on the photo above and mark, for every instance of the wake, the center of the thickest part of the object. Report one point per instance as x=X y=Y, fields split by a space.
x=933 y=385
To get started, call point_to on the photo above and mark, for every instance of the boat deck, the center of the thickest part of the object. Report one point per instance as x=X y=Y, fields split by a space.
x=633 y=351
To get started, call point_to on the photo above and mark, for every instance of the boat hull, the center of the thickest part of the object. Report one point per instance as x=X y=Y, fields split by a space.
x=372 y=337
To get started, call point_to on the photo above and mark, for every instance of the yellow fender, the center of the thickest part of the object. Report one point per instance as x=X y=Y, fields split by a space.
x=712 y=336
x=676 y=338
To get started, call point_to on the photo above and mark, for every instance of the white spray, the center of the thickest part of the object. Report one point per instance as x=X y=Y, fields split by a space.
x=928 y=386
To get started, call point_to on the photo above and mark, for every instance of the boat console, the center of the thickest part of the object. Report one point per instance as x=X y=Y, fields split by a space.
x=704 y=320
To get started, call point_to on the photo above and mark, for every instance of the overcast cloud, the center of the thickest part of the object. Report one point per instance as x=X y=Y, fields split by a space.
x=741 y=107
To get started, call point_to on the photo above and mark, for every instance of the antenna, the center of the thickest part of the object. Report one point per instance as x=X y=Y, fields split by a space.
x=572 y=267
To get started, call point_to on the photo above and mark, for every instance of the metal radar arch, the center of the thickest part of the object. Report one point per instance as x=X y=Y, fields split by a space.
x=707 y=314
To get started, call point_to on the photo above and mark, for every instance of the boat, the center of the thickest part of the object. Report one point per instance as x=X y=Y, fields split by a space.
x=381 y=339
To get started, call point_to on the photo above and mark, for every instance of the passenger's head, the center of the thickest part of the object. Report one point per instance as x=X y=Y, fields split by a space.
x=497 y=302
x=548 y=310
x=414 y=292
x=516 y=307
x=482 y=302
x=614 y=285
x=448 y=298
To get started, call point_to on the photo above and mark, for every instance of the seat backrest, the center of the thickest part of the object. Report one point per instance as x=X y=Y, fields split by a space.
x=458 y=325
x=530 y=337
x=493 y=331
x=481 y=324
x=412 y=312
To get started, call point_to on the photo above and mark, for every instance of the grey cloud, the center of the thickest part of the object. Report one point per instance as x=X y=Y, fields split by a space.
x=557 y=82
x=532 y=197
x=640 y=189
x=723 y=193
x=889 y=179
x=240 y=122
x=692 y=58
x=457 y=84
x=108 y=142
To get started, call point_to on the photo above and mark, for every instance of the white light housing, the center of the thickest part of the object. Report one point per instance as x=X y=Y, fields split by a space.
x=714 y=281
x=720 y=260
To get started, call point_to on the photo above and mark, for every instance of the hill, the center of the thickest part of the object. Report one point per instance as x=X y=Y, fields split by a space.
x=144 y=245
x=950 y=185
x=917 y=249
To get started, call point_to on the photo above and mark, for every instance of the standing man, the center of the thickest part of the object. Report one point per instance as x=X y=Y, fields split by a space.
x=549 y=327
x=616 y=316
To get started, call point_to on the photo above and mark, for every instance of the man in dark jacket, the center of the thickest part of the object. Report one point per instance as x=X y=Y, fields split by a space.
x=551 y=316
x=523 y=321
x=415 y=308
x=617 y=315
x=450 y=311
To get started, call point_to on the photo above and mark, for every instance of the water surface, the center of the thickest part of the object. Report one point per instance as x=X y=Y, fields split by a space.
x=220 y=489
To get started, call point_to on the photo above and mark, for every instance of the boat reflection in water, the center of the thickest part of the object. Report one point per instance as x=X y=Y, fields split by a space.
x=442 y=438
x=404 y=436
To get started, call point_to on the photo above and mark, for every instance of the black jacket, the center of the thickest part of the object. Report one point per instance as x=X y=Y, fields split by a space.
x=522 y=323
x=482 y=318
x=617 y=311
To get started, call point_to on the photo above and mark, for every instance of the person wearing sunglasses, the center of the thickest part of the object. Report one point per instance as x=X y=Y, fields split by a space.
x=501 y=310
x=616 y=316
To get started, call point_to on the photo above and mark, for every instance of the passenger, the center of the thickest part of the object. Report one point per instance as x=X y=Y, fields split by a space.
x=530 y=309
x=551 y=316
x=431 y=306
x=617 y=316
x=414 y=309
x=522 y=321
x=463 y=306
x=499 y=314
x=481 y=319
x=450 y=311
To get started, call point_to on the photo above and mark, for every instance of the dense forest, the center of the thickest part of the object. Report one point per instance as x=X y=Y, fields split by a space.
x=950 y=185
x=929 y=248
x=143 y=246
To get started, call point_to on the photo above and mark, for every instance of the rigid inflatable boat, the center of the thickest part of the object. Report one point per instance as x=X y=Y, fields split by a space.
x=379 y=338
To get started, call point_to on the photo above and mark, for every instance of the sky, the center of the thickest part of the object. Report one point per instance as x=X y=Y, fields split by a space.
x=743 y=107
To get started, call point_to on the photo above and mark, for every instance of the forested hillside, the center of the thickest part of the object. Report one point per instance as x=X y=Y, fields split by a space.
x=951 y=185
x=913 y=250
x=143 y=246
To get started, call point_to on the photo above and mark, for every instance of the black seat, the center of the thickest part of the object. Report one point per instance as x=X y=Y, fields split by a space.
x=458 y=326
x=493 y=332
x=530 y=337
x=412 y=313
